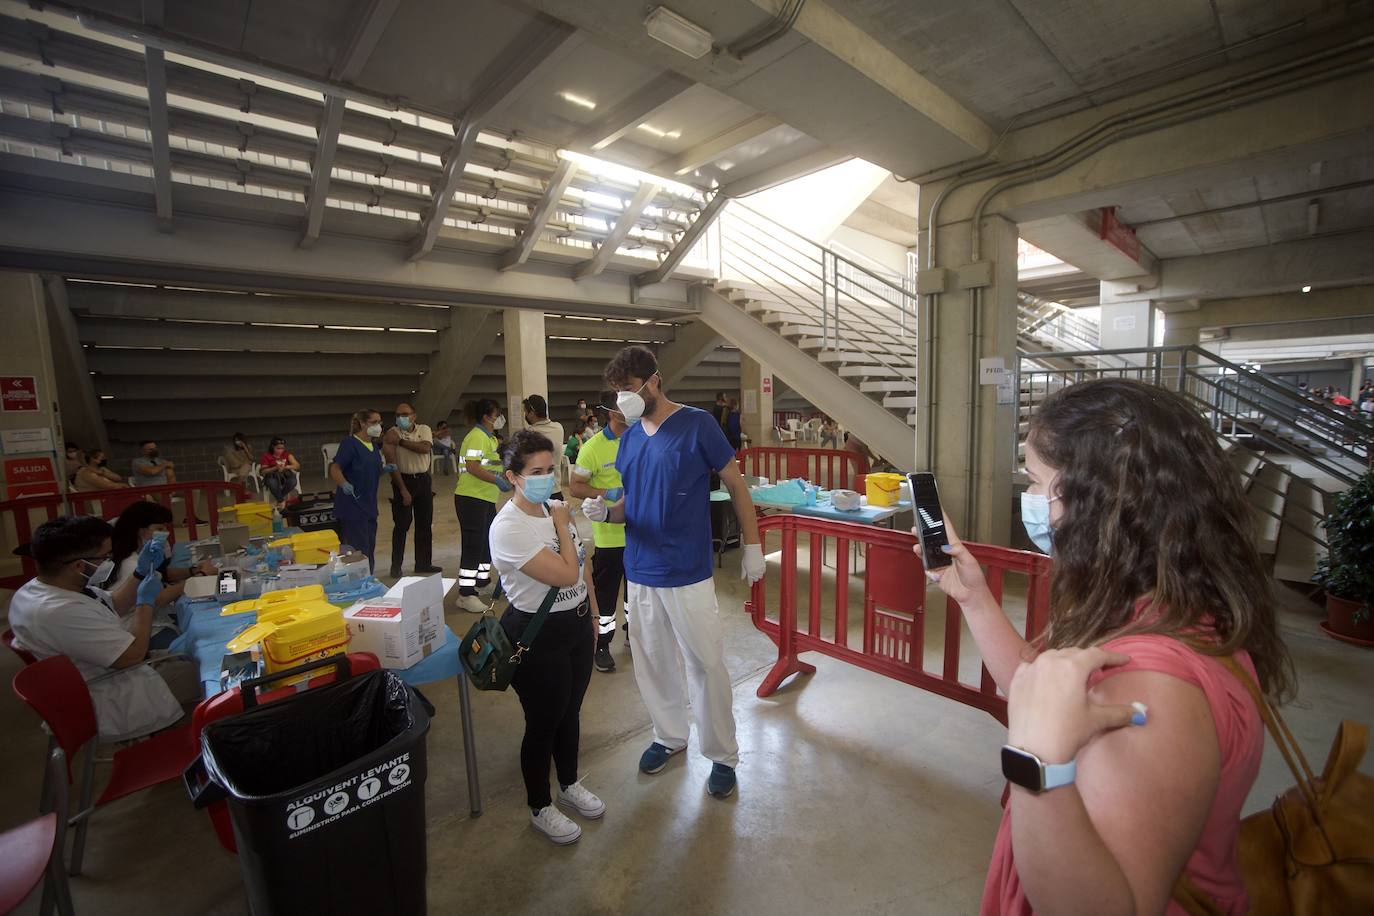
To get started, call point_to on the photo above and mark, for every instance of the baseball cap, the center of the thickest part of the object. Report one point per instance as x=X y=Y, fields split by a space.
x=606 y=401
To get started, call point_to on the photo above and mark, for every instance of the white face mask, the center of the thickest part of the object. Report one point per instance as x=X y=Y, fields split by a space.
x=374 y=431
x=498 y=423
x=631 y=403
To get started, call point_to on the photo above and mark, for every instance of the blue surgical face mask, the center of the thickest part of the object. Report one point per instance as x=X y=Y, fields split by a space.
x=403 y=422
x=538 y=488
x=1035 y=516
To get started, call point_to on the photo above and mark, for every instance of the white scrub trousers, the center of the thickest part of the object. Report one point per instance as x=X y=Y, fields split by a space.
x=677 y=631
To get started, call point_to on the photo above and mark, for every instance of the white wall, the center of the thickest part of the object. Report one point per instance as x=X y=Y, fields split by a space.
x=888 y=254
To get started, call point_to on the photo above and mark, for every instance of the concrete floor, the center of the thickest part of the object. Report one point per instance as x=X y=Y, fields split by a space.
x=857 y=794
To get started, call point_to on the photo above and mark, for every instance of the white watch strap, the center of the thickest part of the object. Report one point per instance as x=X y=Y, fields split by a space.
x=1059 y=774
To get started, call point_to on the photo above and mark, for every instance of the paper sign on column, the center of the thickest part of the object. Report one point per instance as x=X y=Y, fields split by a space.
x=751 y=401
x=991 y=370
x=22 y=441
x=1006 y=391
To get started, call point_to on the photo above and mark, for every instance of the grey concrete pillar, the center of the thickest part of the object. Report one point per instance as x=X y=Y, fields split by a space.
x=756 y=400
x=527 y=364
x=26 y=353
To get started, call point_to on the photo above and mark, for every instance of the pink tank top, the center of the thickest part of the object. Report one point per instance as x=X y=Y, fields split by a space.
x=1213 y=866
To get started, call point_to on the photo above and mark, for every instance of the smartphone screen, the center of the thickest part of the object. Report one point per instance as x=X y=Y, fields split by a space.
x=930 y=520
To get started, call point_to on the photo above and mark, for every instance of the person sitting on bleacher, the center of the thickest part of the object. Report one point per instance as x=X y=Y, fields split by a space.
x=238 y=458
x=60 y=612
x=95 y=474
x=152 y=470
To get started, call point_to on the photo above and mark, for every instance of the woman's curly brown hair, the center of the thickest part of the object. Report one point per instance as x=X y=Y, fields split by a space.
x=1153 y=510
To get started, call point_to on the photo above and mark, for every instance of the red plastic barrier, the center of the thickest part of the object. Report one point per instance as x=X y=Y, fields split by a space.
x=828 y=468
x=894 y=613
x=22 y=516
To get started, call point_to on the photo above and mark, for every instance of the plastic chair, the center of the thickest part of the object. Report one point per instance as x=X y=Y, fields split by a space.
x=784 y=435
x=55 y=690
x=230 y=702
x=32 y=852
x=251 y=475
x=25 y=656
x=811 y=430
x=328 y=450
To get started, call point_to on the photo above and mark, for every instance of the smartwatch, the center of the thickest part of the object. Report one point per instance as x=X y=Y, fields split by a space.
x=1030 y=772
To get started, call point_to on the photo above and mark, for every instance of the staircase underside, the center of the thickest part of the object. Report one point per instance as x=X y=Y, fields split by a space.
x=884 y=432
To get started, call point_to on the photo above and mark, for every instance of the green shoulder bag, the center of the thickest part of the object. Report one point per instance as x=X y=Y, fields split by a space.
x=487 y=653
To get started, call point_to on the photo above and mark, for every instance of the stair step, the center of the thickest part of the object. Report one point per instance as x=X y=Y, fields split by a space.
x=797 y=330
x=900 y=401
x=869 y=371
x=842 y=356
x=886 y=387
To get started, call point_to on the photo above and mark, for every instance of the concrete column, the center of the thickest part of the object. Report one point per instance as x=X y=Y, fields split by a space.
x=80 y=407
x=973 y=438
x=1359 y=371
x=756 y=391
x=1128 y=326
x=1174 y=363
x=527 y=365
x=25 y=350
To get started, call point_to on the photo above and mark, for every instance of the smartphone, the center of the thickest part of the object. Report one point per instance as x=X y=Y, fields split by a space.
x=229 y=582
x=930 y=520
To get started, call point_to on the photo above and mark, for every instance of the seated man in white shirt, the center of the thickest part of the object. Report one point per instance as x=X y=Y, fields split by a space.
x=60 y=613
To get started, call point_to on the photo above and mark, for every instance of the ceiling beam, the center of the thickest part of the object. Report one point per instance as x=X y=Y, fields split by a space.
x=531 y=59
x=717 y=146
x=115 y=332
x=539 y=217
x=141 y=302
x=631 y=112
x=158 y=127
x=828 y=29
x=689 y=238
x=368 y=31
x=247 y=365
x=619 y=232
x=322 y=168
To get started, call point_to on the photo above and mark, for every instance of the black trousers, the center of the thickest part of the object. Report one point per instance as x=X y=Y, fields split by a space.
x=551 y=681
x=608 y=573
x=421 y=511
x=474 y=523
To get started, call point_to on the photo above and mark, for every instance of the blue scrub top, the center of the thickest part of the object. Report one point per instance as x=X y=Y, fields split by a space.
x=362 y=468
x=667 y=479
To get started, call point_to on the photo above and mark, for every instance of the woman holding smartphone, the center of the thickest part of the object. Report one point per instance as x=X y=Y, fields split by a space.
x=1130 y=747
x=535 y=549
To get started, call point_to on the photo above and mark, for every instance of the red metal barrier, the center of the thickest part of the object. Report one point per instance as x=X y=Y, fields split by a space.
x=19 y=517
x=894 y=613
x=828 y=468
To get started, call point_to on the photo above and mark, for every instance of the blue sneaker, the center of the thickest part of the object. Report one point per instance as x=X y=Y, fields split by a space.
x=721 y=782
x=655 y=758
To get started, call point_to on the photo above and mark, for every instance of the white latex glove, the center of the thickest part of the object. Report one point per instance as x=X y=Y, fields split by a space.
x=753 y=565
x=596 y=509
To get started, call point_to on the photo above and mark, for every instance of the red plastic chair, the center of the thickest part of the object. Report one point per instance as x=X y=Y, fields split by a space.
x=32 y=852
x=231 y=702
x=25 y=656
x=55 y=690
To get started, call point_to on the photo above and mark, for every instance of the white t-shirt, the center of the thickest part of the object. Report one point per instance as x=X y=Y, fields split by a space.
x=49 y=620
x=517 y=538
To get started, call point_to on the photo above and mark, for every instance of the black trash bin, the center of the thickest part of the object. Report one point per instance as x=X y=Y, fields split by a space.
x=326 y=791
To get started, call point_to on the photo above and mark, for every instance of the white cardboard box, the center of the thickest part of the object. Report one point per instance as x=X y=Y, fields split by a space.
x=404 y=626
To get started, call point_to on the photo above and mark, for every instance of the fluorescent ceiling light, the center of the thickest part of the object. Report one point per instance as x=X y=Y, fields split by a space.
x=579 y=100
x=1307 y=289
x=661 y=134
x=677 y=33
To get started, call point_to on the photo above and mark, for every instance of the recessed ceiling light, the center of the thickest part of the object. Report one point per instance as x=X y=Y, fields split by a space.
x=580 y=101
x=1307 y=289
x=677 y=33
x=661 y=134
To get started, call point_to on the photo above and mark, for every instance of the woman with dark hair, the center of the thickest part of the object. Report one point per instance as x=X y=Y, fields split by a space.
x=1156 y=579
x=356 y=470
x=480 y=485
x=279 y=469
x=95 y=474
x=536 y=550
x=139 y=523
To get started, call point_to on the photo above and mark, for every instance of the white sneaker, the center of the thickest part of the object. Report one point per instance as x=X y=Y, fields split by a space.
x=580 y=800
x=555 y=825
x=472 y=604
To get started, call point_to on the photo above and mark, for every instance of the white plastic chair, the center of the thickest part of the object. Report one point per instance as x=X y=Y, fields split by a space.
x=329 y=450
x=811 y=430
x=229 y=477
x=794 y=427
x=784 y=435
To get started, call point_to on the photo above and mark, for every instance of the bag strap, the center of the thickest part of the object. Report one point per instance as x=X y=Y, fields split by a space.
x=1283 y=738
x=532 y=628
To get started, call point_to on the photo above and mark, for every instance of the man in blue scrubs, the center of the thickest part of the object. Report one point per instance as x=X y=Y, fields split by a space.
x=665 y=461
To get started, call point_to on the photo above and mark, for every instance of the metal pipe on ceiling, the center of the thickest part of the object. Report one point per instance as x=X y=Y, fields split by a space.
x=1313 y=194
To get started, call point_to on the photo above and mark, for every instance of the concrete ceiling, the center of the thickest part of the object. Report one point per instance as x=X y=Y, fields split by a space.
x=1225 y=222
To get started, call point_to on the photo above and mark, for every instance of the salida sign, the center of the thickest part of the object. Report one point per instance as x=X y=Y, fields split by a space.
x=30 y=477
x=18 y=393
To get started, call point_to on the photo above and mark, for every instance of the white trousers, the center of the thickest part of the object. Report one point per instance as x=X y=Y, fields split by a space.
x=679 y=648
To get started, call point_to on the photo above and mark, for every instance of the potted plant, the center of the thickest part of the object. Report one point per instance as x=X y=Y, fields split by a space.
x=1347 y=571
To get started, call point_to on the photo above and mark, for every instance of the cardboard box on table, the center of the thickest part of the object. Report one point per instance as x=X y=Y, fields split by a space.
x=404 y=626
